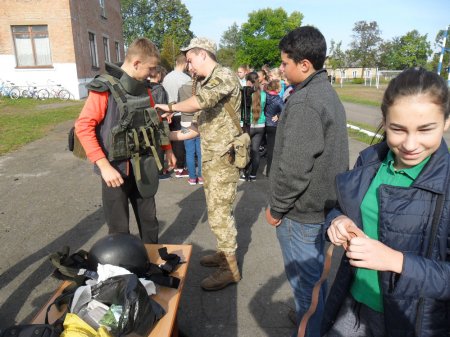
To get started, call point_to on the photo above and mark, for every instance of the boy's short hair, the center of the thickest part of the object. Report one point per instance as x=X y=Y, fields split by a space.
x=142 y=47
x=180 y=59
x=305 y=43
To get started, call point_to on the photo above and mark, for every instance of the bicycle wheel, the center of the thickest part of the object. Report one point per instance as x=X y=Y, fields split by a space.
x=14 y=93
x=25 y=93
x=43 y=94
x=64 y=95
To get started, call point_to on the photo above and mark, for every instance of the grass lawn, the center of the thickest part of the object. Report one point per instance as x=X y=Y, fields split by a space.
x=357 y=93
x=25 y=120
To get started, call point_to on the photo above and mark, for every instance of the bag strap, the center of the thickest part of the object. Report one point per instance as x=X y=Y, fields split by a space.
x=231 y=112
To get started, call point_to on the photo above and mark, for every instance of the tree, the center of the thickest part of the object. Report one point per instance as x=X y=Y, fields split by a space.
x=155 y=19
x=262 y=33
x=364 y=47
x=406 y=51
x=230 y=42
x=337 y=57
x=169 y=51
x=433 y=65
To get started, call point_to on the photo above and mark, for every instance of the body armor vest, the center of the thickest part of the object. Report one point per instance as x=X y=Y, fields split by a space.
x=138 y=131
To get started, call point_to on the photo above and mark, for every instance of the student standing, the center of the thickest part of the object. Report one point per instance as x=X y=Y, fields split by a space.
x=311 y=148
x=395 y=281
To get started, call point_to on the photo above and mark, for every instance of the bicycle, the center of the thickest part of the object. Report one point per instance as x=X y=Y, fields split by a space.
x=8 y=88
x=33 y=92
x=58 y=91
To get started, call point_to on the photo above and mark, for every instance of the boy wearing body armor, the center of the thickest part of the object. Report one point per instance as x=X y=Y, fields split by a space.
x=120 y=133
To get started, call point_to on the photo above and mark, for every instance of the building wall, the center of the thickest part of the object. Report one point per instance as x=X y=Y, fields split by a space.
x=69 y=22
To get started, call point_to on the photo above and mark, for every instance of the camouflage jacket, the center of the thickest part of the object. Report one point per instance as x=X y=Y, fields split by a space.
x=217 y=129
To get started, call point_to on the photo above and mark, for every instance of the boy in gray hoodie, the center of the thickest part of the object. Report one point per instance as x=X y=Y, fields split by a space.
x=311 y=148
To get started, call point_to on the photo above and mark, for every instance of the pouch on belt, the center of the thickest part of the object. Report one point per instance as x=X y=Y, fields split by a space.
x=146 y=175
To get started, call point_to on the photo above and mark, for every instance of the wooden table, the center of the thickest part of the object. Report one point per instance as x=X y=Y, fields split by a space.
x=168 y=298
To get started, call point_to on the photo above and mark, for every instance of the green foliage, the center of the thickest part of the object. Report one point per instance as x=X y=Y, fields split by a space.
x=433 y=65
x=364 y=47
x=337 y=58
x=262 y=33
x=169 y=51
x=155 y=19
x=406 y=51
x=230 y=42
x=358 y=81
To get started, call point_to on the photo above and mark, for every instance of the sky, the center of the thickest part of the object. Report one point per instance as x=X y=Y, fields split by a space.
x=334 y=18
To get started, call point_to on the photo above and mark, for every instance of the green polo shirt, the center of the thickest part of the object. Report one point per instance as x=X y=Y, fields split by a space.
x=366 y=286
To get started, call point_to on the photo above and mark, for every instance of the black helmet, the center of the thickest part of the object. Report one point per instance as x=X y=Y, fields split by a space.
x=120 y=249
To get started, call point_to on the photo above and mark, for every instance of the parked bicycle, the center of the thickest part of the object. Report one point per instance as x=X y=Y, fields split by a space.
x=32 y=91
x=58 y=91
x=8 y=89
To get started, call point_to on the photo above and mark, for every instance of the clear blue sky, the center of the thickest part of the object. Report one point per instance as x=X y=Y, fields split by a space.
x=334 y=18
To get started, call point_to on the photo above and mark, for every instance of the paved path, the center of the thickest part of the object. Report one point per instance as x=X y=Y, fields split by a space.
x=50 y=199
x=371 y=116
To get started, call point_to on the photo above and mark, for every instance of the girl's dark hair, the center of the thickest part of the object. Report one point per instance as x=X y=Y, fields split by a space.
x=252 y=77
x=416 y=81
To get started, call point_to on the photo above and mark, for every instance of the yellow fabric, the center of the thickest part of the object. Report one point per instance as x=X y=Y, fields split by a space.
x=74 y=326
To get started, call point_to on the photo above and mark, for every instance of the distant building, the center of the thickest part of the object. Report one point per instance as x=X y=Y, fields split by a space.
x=61 y=41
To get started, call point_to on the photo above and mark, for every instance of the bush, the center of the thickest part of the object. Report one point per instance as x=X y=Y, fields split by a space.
x=358 y=81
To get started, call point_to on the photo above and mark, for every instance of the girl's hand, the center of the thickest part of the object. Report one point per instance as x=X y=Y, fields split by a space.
x=338 y=232
x=275 y=118
x=372 y=254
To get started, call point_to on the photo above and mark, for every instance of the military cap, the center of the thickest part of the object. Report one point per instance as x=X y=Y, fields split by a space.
x=203 y=43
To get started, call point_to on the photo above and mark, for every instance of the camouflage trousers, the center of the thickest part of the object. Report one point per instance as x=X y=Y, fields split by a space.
x=220 y=184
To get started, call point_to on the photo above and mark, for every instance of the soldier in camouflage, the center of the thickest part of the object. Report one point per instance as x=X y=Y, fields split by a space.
x=220 y=86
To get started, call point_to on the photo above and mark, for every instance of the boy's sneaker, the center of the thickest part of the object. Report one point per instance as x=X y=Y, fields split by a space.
x=200 y=180
x=192 y=181
x=182 y=173
x=243 y=177
x=251 y=178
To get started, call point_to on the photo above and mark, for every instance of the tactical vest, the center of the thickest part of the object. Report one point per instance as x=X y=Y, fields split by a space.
x=138 y=130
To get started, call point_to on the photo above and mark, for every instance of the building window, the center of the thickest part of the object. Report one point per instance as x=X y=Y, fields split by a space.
x=93 y=50
x=354 y=73
x=106 y=49
x=117 y=48
x=102 y=8
x=32 y=46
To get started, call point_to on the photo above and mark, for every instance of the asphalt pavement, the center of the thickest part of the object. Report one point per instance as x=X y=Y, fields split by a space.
x=50 y=199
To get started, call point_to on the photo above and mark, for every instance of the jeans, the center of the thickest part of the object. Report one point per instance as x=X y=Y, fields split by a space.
x=302 y=247
x=192 y=147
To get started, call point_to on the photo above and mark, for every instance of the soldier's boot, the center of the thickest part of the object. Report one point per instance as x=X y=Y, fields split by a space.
x=227 y=273
x=213 y=260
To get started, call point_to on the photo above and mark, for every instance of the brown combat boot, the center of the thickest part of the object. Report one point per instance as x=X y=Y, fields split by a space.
x=213 y=260
x=227 y=273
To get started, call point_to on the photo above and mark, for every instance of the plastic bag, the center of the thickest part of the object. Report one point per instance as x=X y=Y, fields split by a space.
x=126 y=295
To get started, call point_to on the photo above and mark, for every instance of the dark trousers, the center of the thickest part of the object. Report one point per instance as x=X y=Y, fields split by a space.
x=178 y=145
x=256 y=135
x=115 y=206
x=270 y=136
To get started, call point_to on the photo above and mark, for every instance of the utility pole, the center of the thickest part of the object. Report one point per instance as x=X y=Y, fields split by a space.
x=443 y=50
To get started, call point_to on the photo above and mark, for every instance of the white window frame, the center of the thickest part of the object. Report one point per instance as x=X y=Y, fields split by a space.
x=32 y=47
x=93 y=51
x=354 y=73
x=106 y=51
x=102 y=8
x=117 y=49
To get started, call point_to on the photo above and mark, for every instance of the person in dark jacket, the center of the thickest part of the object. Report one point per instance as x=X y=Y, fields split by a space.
x=272 y=112
x=311 y=148
x=395 y=280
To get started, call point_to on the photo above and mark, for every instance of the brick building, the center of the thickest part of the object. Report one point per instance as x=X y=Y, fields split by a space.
x=62 y=41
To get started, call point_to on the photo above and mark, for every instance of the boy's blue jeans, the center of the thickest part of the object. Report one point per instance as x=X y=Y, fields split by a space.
x=192 y=147
x=302 y=247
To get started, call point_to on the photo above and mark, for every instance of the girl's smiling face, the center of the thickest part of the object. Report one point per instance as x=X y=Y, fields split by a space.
x=414 y=128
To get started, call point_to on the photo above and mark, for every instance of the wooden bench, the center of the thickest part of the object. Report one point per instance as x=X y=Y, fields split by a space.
x=168 y=298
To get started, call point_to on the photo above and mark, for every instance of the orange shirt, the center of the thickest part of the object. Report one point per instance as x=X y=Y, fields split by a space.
x=91 y=116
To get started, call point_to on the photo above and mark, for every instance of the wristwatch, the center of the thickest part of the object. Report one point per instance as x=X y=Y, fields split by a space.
x=170 y=106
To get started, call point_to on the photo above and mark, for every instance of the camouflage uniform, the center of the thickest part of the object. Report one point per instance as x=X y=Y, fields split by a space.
x=217 y=132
